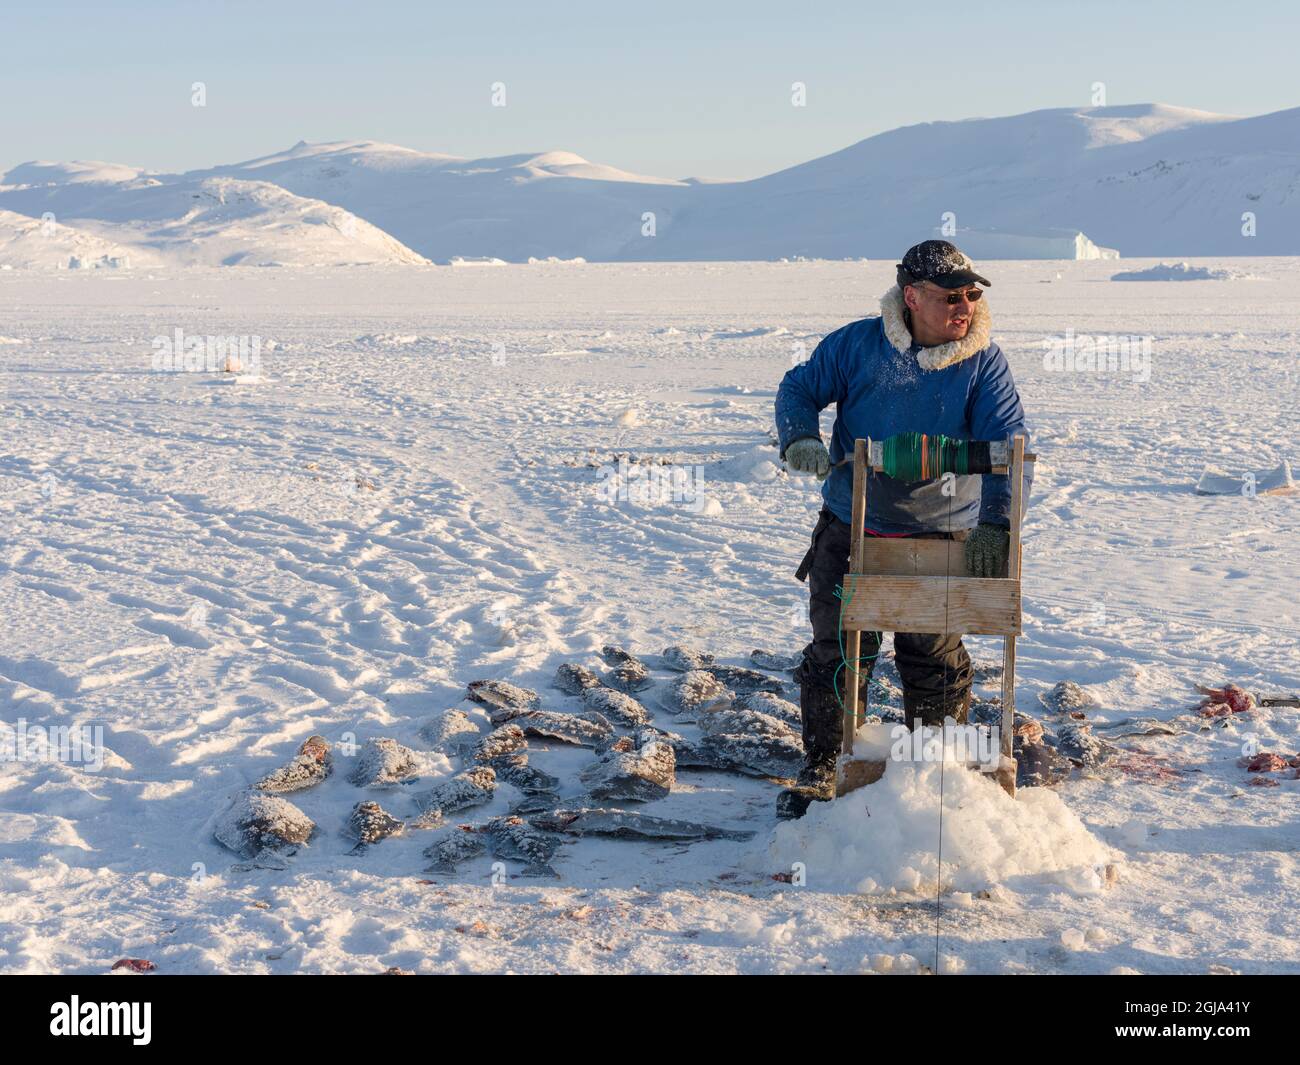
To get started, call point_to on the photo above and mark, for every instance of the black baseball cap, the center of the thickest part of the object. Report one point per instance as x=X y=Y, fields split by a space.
x=939 y=262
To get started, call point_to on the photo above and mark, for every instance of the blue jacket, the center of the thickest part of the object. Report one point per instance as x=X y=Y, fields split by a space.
x=883 y=383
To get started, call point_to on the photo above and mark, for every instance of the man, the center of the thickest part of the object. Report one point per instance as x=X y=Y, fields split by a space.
x=926 y=364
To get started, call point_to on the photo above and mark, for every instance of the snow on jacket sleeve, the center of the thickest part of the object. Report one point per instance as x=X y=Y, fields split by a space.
x=994 y=414
x=809 y=389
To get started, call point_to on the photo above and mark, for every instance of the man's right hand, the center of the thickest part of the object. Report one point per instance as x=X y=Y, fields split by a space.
x=809 y=456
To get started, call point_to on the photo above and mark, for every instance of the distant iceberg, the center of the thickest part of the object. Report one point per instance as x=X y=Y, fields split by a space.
x=1049 y=244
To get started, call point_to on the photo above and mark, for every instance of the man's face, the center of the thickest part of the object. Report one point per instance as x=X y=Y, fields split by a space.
x=935 y=319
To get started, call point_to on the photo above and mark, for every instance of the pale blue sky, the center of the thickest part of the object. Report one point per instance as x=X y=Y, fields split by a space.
x=658 y=87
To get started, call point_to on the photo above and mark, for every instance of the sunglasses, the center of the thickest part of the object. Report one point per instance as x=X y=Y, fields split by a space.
x=971 y=296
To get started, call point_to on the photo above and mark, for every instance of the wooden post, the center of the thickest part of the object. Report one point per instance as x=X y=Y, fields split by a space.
x=1007 y=774
x=853 y=638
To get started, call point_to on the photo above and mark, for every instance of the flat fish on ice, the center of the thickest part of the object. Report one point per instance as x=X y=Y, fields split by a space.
x=514 y=770
x=615 y=706
x=625 y=824
x=573 y=679
x=691 y=755
x=684 y=659
x=1067 y=697
x=369 y=823
x=257 y=823
x=1137 y=726
x=1038 y=765
x=1078 y=744
x=761 y=756
x=449 y=728
x=777 y=663
x=457 y=845
x=384 y=763
x=630 y=677
x=772 y=705
x=537 y=802
x=582 y=730
x=506 y=739
x=471 y=788
x=309 y=766
x=632 y=773
x=616 y=656
x=740 y=679
x=735 y=721
x=503 y=699
x=694 y=692
x=514 y=839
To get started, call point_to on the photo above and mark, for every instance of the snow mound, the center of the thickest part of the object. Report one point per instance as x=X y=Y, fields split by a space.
x=387 y=340
x=885 y=836
x=756 y=465
x=1175 y=272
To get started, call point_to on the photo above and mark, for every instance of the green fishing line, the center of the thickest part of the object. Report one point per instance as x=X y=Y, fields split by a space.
x=844 y=658
x=911 y=457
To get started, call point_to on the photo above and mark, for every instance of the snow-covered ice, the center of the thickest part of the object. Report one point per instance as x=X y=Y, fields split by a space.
x=212 y=573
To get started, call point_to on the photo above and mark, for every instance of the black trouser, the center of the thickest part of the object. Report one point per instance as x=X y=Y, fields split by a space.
x=935 y=668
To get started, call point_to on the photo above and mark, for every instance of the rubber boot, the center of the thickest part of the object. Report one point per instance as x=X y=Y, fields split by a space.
x=822 y=731
x=932 y=711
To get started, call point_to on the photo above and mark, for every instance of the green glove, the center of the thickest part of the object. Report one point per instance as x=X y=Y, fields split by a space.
x=987 y=548
x=809 y=455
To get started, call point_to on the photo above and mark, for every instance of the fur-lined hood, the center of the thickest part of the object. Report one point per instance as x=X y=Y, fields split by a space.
x=936 y=358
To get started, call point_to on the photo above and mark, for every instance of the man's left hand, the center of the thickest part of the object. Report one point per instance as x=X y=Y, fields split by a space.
x=987 y=548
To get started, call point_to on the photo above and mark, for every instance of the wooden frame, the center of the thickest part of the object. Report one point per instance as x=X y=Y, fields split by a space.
x=914 y=585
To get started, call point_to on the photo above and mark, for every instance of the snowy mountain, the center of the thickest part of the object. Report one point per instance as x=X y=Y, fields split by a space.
x=1148 y=180
x=208 y=221
x=512 y=207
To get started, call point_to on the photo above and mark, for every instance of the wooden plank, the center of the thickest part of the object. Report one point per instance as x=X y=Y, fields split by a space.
x=1007 y=734
x=859 y=505
x=852 y=713
x=854 y=773
x=853 y=644
x=1015 y=555
x=981 y=605
x=1017 y=492
x=913 y=557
